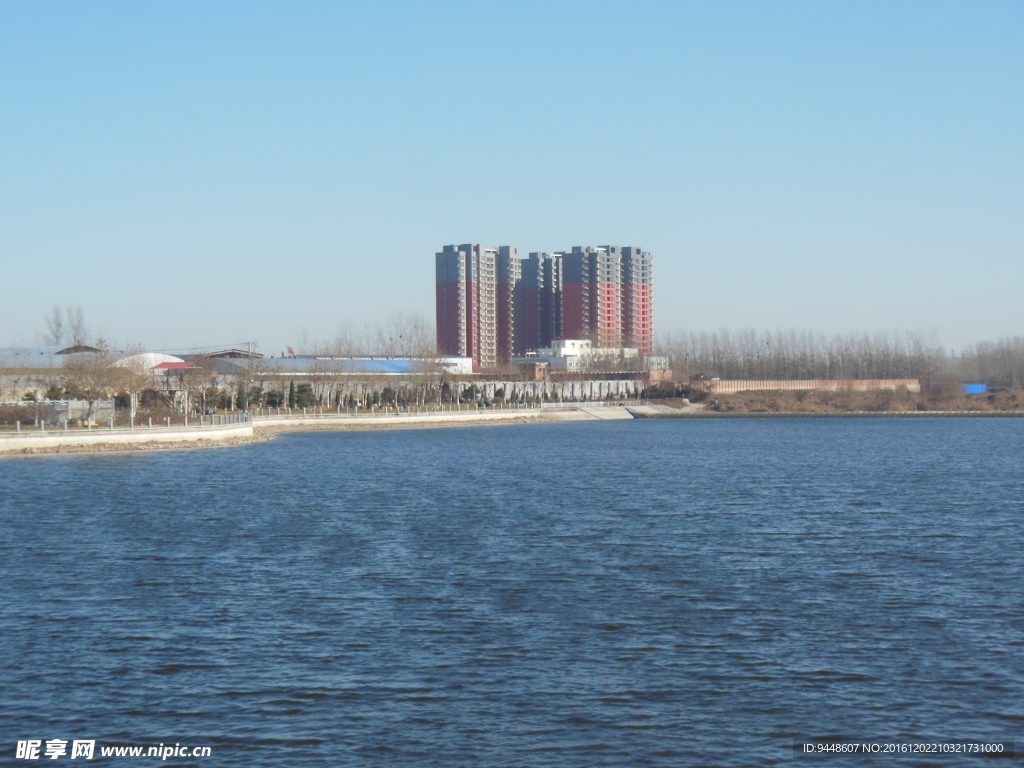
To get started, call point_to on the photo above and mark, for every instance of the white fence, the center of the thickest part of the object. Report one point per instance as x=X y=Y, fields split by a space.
x=592 y=404
x=28 y=440
x=57 y=412
x=259 y=414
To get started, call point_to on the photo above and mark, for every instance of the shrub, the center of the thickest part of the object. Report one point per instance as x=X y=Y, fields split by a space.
x=304 y=397
x=9 y=414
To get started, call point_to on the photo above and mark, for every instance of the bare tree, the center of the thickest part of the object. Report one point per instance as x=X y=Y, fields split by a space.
x=259 y=370
x=92 y=376
x=12 y=373
x=404 y=334
x=748 y=354
x=55 y=327
x=132 y=376
x=77 y=328
x=304 y=344
x=195 y=381
x=348 y=342
x=323 y=373
x=998 y=363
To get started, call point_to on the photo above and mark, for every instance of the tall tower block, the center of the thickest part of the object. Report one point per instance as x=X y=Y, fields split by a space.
x=540 y=316
x=466 y=296
x=510 y=274
x=638 y=299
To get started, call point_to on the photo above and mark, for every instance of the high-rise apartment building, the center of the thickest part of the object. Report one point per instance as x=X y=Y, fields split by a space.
x=510 y=275
x=608 y=297
x=540 y=302
x=638 y=300
x=592 y=306
x=493 y=305
x=466 y=294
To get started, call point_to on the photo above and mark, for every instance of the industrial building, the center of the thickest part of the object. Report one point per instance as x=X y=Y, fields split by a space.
x=493 y=305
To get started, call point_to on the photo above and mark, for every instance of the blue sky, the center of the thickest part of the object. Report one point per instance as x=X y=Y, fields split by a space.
x=201 y=173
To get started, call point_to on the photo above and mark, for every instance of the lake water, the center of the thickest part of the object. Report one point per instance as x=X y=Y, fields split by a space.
x=653 y=592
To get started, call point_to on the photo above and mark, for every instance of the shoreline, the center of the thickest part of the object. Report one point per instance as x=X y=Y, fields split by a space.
x=341 y=426
x=265 y=432
x=832 y=415
x=254 y=432
x=151 y=446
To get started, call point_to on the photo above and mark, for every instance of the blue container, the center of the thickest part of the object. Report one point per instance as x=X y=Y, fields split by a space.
x=973 y=389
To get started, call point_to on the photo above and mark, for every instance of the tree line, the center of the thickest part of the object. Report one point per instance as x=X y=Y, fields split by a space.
x=790 y=354
x=402 y=334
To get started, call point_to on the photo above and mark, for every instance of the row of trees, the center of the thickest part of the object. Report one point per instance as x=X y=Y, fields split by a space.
x=749 y=354
x=999 y=363
x=66 y=327
x=402 y=334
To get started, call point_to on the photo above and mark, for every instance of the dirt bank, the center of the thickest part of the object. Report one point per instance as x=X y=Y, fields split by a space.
x=880 y=401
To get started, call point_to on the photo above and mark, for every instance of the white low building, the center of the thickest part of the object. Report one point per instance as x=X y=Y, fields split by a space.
x=456 y=364
x=576 y=355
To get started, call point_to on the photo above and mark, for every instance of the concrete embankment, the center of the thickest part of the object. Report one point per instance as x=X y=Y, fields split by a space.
x=142 y=438
x=257 y=430
x=587 y=414
x=390 y=421
x=261 y=428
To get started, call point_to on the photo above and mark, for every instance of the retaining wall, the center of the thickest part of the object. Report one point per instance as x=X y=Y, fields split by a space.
x=19 y=441
x=439 y=417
